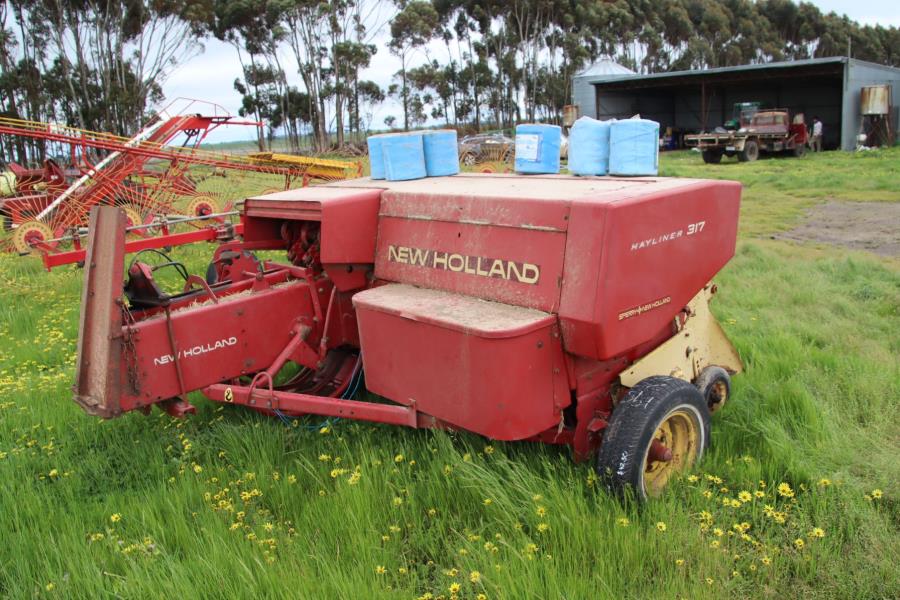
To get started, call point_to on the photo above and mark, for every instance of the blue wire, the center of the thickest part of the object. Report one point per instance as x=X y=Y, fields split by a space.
x=351 y=390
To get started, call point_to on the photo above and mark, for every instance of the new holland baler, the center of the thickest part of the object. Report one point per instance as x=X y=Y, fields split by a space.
x=547 y=308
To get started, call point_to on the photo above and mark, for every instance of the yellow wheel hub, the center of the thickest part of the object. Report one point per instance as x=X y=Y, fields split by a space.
x=202 y=206
x=680 y=435
x=720 y=389
x=29 y=232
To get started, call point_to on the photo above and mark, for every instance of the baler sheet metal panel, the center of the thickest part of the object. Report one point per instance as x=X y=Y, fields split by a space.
x=349 y=219
x=518 y=266
x=487 y=367
x=624 y=284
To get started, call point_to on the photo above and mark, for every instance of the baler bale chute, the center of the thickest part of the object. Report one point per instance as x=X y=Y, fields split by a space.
x=547 y=308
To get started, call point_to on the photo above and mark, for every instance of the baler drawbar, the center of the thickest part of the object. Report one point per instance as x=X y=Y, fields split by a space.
x=555 y=309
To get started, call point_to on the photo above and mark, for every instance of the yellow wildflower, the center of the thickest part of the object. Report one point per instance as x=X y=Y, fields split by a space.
x=488 y=450
x=766 y=560
x=817 y=532
x=745 y=496
x=759 y=494
x=785 y=491
x=399 y=458
x=679 y=562
x=877 y=494
x=824 y=482
x=623 y=521
x=542 y=527
x=799 y=543
x=50 y=586
x=474 y=576
x=541 y=511
x=115 y=517
x=488 y=501
x=198 y=469
x=398 y=500
x=693 y=479
x=454 y=588
x=380 y=570
x=660 y=526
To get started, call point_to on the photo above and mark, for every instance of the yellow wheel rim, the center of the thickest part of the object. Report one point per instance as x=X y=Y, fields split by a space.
x=720 y=389
x=679 y=433
x=202 y=206
x=132 y=218
x=29 y=232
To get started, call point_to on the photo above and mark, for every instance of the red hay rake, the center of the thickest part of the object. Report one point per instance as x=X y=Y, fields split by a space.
x=171 y=194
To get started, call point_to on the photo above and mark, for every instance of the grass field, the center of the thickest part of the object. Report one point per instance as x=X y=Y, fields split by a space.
x=798 y=497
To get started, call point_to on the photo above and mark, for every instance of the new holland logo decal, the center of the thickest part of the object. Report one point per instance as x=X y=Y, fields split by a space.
x=480 y=266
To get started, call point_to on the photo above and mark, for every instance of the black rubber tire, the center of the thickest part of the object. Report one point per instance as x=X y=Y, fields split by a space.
x=709 y=382
x=621 y=460
x=750 y=152
x=712 y=157
x=469 y=159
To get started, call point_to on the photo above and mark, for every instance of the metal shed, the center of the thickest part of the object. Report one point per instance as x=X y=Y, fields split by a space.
x=691 y=101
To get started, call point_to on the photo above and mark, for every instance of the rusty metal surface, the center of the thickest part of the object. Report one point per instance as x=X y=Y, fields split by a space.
x=98 y=380
x=875 y=100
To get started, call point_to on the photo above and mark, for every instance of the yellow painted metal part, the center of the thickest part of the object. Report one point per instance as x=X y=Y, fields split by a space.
x=679 y=433
x=35 y=230
x=700 y=343
x=325 y=168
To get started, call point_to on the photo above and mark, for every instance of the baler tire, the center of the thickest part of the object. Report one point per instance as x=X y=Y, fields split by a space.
x=622 y=461
x=715 y=385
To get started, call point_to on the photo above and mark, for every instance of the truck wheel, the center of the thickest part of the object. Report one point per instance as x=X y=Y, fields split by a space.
x=750 y=152
x=800 y=150
x=715 y=385
x=469 y=159
x=712 y=157
x=659 y=428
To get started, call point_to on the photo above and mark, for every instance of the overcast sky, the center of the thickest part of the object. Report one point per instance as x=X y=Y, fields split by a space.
x=210 y=74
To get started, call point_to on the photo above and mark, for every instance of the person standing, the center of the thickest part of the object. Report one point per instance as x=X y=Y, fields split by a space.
x=816 y=142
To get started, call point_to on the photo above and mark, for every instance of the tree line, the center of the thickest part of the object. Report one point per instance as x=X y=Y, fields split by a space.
x=467 y=63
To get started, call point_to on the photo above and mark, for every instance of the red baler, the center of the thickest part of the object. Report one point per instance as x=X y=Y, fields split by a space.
x=550 y=308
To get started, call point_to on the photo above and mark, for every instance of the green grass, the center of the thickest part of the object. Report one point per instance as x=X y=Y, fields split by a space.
x=324 y=510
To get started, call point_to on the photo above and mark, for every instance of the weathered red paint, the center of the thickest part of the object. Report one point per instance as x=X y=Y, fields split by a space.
x=503 y=305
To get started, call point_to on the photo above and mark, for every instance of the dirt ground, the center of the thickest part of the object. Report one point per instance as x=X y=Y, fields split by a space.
x=872 y=226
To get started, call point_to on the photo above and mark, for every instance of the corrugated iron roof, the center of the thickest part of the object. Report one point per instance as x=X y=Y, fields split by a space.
x=788 y=64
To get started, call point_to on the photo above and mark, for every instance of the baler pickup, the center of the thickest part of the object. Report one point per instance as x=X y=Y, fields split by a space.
x=564 y=310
